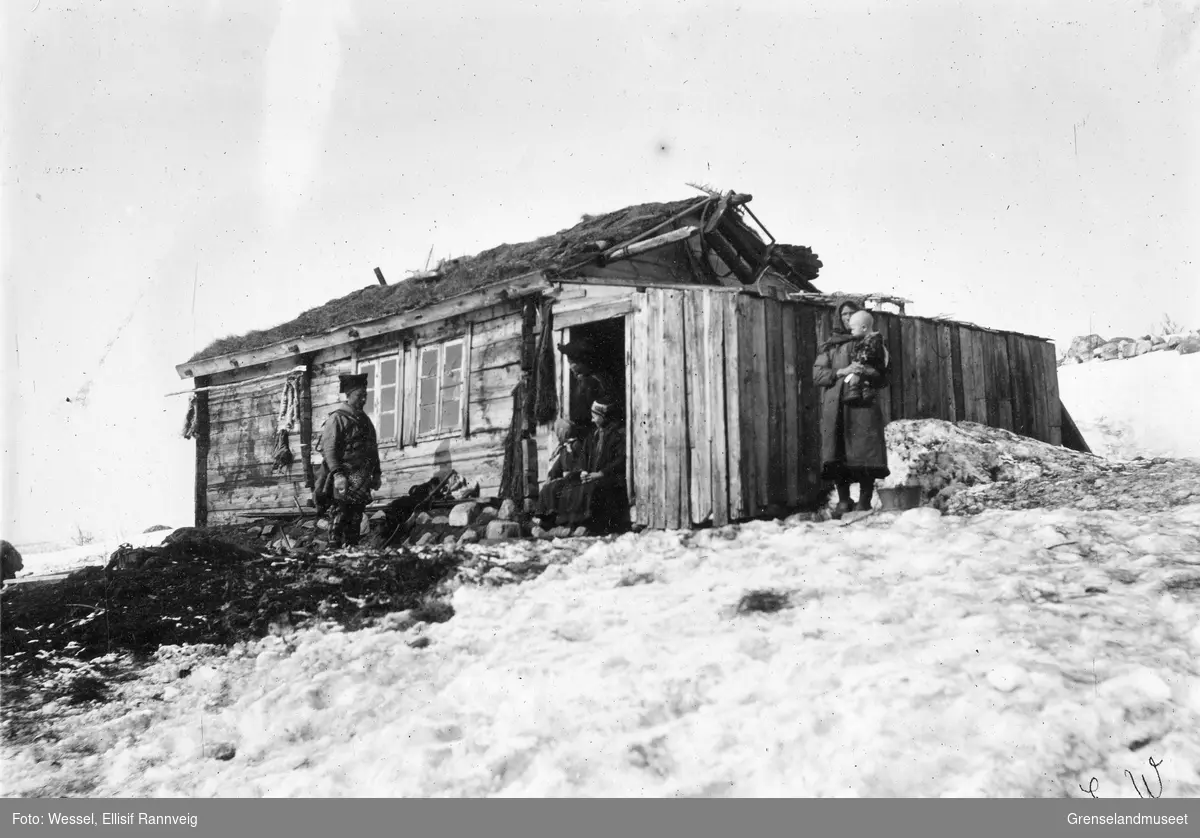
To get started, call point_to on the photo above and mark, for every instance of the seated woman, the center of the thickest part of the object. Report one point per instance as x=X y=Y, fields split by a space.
x=595 y=495
x=565 y=459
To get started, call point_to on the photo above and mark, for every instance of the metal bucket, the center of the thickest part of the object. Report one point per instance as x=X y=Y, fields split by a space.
x=897 y=498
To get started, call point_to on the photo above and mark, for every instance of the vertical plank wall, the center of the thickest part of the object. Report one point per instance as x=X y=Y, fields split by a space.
x=725 y=420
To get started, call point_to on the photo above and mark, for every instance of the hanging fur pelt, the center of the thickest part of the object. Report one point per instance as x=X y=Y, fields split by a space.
x=189 y=422
x=288 y=417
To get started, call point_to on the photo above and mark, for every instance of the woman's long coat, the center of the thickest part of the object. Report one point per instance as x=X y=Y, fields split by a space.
x=852 y=440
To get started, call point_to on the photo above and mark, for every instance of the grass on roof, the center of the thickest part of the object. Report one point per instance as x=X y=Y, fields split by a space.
x=551 y=254
x=555 y=254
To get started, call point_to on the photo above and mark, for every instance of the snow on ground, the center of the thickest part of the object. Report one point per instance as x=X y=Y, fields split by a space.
x=920 y=655
x=1009 y=653
x=1147 y=406
x=61 y=558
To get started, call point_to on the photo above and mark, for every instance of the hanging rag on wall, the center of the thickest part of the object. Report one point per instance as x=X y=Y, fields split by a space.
x=512 y=480
x=546 y=394
x=287 y=421
x=189 y=423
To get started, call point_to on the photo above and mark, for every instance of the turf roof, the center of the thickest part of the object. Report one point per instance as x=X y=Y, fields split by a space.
x=555 y=255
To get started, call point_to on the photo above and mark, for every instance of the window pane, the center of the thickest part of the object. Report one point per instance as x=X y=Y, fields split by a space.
x=387 y=399
x=429 y=362
x=452 y=393
x=427 y=420
x=450 y=415
x=428 y=392
x=454 y=356
x=387 y=426
x=369 y=369
x=387 y=372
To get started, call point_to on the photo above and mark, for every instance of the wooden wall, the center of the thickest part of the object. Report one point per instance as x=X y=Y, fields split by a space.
x=240 y=479
x=724 y=420
x=722 y=414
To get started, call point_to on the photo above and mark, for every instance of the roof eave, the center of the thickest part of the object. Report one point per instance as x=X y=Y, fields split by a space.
x=349 y=332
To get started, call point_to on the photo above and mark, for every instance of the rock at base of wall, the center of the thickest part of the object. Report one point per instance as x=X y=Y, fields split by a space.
x=508 y=510
x=469 y=537
x=1108 y=352
x=1143 y=347
x=426 y=539
x=465 y=514
x=498 y=530
x=486 y=515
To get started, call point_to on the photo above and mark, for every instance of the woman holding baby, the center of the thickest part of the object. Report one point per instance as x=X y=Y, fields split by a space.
x=851 y=368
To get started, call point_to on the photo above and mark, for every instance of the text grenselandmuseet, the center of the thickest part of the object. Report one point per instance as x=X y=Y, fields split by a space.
x=1126 y=820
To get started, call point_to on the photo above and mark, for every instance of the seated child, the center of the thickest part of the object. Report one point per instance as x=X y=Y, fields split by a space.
x=869 y=351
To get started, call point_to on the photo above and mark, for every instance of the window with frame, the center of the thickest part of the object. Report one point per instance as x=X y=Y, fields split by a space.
x=383 y=395
x=440 y=388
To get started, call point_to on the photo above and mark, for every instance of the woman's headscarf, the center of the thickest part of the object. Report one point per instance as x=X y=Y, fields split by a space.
x=840 y=333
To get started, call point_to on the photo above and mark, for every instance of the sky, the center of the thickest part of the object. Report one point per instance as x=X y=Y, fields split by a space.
x=178 y=172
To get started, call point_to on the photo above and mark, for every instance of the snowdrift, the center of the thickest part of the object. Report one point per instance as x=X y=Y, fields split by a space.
x=1147 y=406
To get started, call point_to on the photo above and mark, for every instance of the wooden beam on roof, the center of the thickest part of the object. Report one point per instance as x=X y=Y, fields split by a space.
x=584 y=279
x=480 y=298
x=649 y=244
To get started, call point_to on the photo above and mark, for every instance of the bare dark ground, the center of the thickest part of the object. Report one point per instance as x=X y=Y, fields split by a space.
x=197 y=590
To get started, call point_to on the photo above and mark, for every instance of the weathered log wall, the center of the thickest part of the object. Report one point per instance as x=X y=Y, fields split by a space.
x=722 y=413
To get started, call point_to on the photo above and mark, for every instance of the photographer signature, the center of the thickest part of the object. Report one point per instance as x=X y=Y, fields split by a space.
x=1094 y=785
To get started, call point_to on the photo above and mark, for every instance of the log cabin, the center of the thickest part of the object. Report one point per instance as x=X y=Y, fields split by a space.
x=711 y=325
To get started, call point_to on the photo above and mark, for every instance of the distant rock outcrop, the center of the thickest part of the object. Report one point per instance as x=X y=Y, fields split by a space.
x=1085 y=348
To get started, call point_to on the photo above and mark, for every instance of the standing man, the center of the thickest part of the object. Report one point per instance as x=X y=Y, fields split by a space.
x=351 y=452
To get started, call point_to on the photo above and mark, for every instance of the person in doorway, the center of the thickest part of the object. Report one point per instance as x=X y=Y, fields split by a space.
x=595 y=495
x=565 y=460
x=351 y=467
x=853 y=447
x=592 y=382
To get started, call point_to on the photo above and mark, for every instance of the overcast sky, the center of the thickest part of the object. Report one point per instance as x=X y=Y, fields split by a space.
x=175 y=172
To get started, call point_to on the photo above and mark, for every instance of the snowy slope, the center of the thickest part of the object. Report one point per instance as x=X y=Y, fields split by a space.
x=1015 y=652
x=1005 y=654
x=1147 y=406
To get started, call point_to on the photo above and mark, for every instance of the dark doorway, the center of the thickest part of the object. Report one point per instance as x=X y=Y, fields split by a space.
x=607 y=338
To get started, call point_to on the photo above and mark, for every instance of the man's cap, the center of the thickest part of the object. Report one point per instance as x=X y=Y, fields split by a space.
x=353 y=382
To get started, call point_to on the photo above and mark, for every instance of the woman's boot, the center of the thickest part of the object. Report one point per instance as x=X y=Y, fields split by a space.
x=844 y=503
x=865 y=490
